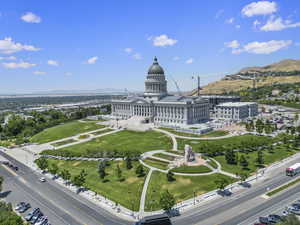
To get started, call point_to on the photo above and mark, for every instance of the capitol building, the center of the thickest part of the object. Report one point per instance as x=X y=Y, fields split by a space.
x=158 y=107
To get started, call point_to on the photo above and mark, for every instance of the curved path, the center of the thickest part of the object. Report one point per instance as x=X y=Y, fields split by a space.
x=172 y=136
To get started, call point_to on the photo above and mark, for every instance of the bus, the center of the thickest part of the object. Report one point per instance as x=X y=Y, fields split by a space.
x=293 y=170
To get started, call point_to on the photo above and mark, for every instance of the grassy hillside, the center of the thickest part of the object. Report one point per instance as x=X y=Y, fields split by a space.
x=225 y=86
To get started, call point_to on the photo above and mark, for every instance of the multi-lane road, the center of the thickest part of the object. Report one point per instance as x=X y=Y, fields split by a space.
x=65 y=207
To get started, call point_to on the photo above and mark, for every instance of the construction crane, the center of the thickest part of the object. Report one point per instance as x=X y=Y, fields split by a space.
x=198 y=85
x=177 y=86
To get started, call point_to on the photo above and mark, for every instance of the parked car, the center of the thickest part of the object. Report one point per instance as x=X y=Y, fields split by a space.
x=19 y=206
x=41 y=220
x=264 y=220
x=31 y=214
x=42 y=179
x=35 y=218
x=24 y=208
x=274 y=219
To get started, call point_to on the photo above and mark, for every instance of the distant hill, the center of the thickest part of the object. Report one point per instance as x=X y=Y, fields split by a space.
x=285 y=71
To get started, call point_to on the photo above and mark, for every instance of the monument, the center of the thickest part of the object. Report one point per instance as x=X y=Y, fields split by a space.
x=189 y=155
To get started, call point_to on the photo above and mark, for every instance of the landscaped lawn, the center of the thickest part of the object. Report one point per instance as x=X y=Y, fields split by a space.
x=280 y=153
x=117 y=144
x=64 y=130
x=101 y=131
x=60 y=143
x=235 y=142
x=156 y=163
x=216 y=133
x=192 y=169
x=126 y=193
x=182 y=188
x=164 y=156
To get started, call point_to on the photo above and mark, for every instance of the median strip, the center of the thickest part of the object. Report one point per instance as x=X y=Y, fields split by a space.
x=281 y=188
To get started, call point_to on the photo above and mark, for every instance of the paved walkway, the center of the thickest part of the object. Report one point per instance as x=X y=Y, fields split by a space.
x=144 y=193
x=172 y=136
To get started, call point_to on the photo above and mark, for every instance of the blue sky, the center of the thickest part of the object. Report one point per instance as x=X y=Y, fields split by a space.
x=92 y=44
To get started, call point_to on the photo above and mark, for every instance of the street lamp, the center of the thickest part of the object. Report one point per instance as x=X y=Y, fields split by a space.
x=194 y=197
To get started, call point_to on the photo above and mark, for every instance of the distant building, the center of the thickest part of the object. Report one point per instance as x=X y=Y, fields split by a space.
x=218 y=99
x=157 y=106
x=236 y=110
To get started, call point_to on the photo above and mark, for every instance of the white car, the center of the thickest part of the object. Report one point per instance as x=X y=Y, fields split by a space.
x=42 y=179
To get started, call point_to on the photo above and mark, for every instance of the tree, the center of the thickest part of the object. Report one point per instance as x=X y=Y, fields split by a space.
x=128 y=163
x=170 y=176
x=65 y=174
x=42 y=163
x=140 y=171
x=79 y=180
x=119 y=173
x=243 y=162
x=167 y=200
x=260 y=158
x=1 y=183
x=244 y=176
x=101 y=170
x=54 y=169
x=221 y=183
x=230 y=157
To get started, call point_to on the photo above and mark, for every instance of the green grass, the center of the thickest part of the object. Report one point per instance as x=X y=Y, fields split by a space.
x=119 y=143
x=60 y=143
x=64 y=130
x=126 y=193
x=156 y=163
x=216 y=133
x=235 y=142
x=213 y=164
x=101 y=131
x=182 y=188
x=283 y=187
x=164 y=156
x=280 y=153
x=192 y=169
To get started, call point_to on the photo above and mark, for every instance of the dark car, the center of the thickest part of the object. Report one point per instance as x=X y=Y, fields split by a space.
x=25 y=208
x=35 y=218
x=20 y=205
x=162 y=219
x=273 y=218
x=264 y=220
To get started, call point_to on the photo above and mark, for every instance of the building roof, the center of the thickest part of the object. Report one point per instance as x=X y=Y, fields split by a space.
x=236 y=104
x=155 y=68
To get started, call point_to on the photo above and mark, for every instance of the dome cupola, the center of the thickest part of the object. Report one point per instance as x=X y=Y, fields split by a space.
x=155 y=68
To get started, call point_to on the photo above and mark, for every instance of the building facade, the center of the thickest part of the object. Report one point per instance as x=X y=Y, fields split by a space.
x=215 y=100
x=157 y=106
x=236 y=110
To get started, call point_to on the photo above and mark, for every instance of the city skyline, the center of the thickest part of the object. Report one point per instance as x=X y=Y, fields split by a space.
x=76 y=46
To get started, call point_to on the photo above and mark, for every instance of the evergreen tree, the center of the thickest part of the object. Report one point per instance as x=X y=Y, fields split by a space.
x=119 y=173
x=243 y=162
x=221 y=183
x=101 y=170
x=170 y=176
x=42 y=163
x=54 y=169
x=140 y=171
x=65 y=174
x=260 y=158
x=128 y=163
x=230 y=157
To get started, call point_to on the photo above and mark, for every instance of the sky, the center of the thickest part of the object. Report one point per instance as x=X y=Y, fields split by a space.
x=86 y=45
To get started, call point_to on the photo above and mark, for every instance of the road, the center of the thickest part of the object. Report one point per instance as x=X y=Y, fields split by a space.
x=239 y=206
x=62 y=206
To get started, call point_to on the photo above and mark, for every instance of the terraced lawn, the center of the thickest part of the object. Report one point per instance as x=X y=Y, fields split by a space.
x=192 y=169
x=118 y=144
x=64 y=130
x=156 y=163
x=60 y=143
x=164 y=156
x=182 y=188
x=126 y=193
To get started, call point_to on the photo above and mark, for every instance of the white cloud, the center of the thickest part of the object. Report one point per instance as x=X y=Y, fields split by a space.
x=237 y=26
x=68 y=73
x=52 y=62
x=261 y=47
x=21 y=65
x=230 y=20
x=259 y=8
x=37 y=72
x=8 y=58
x=92 y=60
x=176 y=58
x=163 y=40
x=128 y=50
x=277 y=24
x=189 y=61
x=137 y=56
x=232 y=44
x=8 y=46
x=30 y=17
